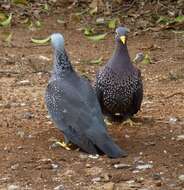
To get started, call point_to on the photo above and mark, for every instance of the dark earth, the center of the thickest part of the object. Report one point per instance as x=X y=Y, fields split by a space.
x=155 y=142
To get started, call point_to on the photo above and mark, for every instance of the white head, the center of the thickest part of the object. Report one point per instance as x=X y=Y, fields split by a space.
x=57 y=41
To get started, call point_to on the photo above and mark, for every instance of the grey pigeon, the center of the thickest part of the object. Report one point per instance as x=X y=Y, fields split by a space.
x=118 y=84
x=74 y=107
x=139 y=57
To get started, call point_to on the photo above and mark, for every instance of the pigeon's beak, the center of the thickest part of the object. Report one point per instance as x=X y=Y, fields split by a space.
x=123 y=39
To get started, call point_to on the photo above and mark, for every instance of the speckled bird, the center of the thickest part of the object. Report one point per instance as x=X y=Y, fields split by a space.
x=118 y=84
x=74 y=107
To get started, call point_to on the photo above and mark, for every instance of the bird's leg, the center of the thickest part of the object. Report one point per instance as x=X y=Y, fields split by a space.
x=129 y=121
x=65 y=144
x=108 y=123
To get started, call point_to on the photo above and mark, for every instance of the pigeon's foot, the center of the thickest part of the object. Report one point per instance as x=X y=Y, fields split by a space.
x=64 y=145
x=108 y=123
x=129 y=122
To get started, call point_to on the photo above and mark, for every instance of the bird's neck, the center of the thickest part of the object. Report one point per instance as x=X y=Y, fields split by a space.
x=62 y=64
x=121 y=52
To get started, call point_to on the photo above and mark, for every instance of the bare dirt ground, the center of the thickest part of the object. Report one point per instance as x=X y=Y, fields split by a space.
x=28 y=159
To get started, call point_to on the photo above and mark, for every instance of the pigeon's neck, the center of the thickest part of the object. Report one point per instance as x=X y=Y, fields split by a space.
x=62 y=64
x=121 y=52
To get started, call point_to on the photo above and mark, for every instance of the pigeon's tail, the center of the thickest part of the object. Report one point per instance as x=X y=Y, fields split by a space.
x=108 y=146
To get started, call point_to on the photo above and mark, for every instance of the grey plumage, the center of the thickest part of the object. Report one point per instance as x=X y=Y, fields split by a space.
x=138 y=58
x=118 y=84
x=74 y=107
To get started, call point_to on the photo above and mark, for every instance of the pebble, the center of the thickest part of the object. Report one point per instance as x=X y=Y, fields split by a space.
x=21 y=134
x=100 y=20
x=15 y=166
x=94 y=171
x=180 y=138
x=106 y=177
x=24 y=82
x=96 y=179
x=158 y=183
x=88 y=165
x=83 y=156
x=156 y=176
x=181 y=177
x=13 y=187
x=122 y=166
x=54 y=166
x=135 y=171
x=127 y=136
x=144 y=167
x=59 y=187
x=140 y=180
x=28 y=115
x=173 y=120
x=150 y=143
x=44 y=58
x=93 y=156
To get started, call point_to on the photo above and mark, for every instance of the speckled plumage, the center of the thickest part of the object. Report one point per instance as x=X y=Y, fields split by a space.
x=74 y=108
x=118 y=84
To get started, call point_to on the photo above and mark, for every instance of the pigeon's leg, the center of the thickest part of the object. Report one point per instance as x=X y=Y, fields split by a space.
x=108 y=123
x=113 y=118
x=129 y=121
x=65 y=144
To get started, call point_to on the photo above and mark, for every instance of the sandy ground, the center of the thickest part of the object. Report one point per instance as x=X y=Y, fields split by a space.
x=156 y=150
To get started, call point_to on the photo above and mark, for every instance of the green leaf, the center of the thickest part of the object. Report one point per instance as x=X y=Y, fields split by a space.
x=146 y=60
x=45 y=7
x=38 y=24
x=8 y=38
x=7 y=21
x=41 y=41
x=179 y=18
x=88 y=31
x=112 y=23
x=60 y=21
x=96 y=61
x=163 y=20
x=22 y=2
x=93 y=11
x=97 y=38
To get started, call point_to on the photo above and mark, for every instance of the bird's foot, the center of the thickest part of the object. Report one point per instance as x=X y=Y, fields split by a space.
x=64 y=145
x=108 y=123
x=129 y=122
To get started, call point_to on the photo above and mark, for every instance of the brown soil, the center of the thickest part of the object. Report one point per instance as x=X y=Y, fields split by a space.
x=28 y=158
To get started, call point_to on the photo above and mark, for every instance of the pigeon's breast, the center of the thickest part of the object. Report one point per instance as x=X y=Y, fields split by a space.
x=118 y=89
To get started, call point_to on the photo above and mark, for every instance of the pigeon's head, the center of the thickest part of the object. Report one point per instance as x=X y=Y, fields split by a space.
x=121 y=34
x=57 y=41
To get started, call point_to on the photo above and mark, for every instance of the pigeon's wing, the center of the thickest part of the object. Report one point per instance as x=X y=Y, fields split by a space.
x=83 y=125
x=90 y=97
x=65 y=108
x=138 y=95
x=98 y=88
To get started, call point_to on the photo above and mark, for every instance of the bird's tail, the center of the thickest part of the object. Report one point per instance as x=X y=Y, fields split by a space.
x=108 y=146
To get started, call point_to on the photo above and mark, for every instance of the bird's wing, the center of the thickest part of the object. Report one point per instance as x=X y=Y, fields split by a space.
x=90 y=96
x=73 y=115
x=98 y=89
x=138 y=94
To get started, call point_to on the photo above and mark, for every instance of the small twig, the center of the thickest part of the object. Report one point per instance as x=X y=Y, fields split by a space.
x=9 y=72
x=174 y=94
x=15 y=72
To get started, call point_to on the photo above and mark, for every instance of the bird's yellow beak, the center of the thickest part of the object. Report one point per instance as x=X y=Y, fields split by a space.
x=123 y=39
